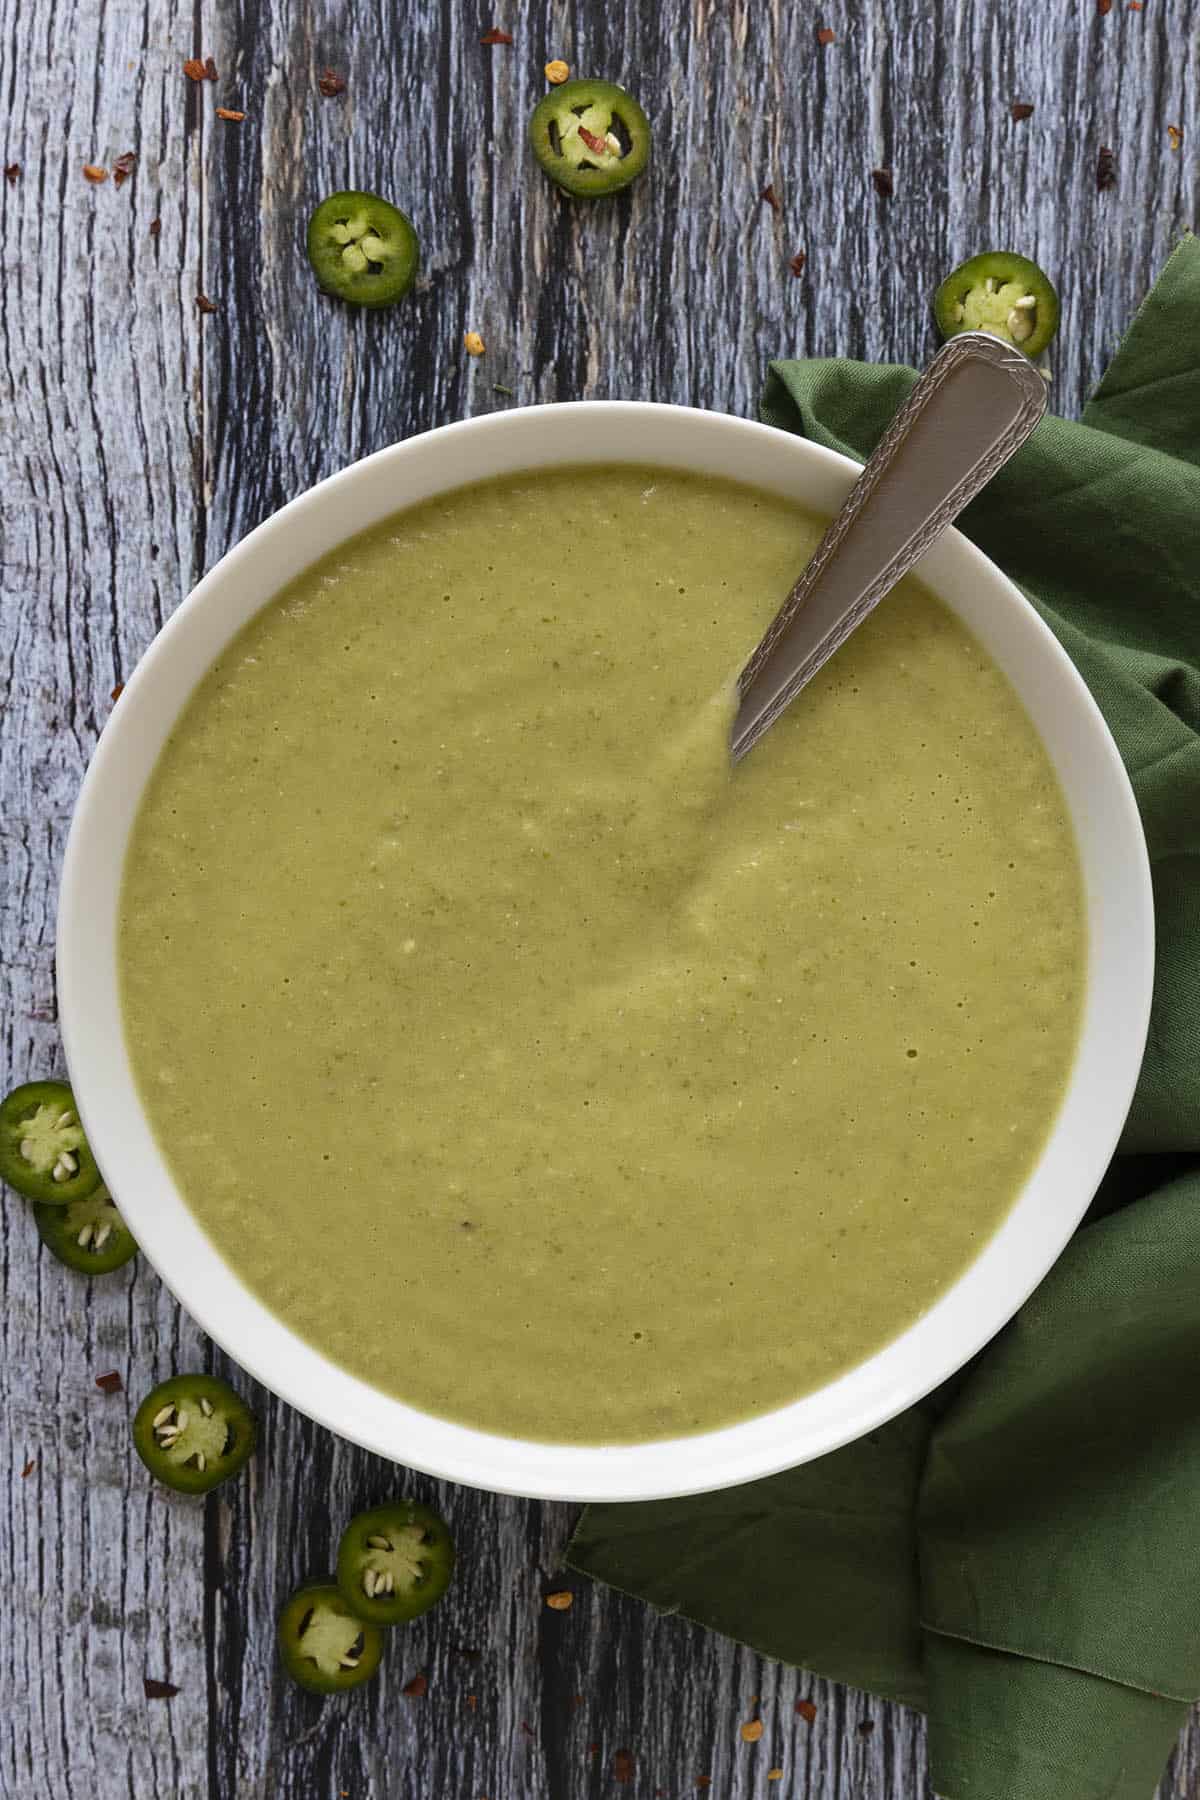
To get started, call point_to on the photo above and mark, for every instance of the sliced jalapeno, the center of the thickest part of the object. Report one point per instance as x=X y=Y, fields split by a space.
x=323 y=1645
x=89 y=1235
x=591 y=137
x=193 y=1432
x=1001 y=293
x=394 y=1562
x=363 y=249
x=43 y=1152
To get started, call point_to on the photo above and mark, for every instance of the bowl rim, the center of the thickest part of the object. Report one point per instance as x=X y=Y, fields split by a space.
x=241 y=1324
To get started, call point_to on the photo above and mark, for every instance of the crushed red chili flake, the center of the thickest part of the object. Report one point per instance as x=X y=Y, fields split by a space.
x=123 y=167
x=472 y=1701
x=110 y=1383
x=771 y=197
x=210 y=69
x=1020 y=109
x=526 y=1728
x=205 y=304
x=623 y=1766
x=193 y=68
x=576 y=1699
x=12 y=173
x=593 y=140
x=1135 y=5
x=807 y=1711
x=117 y=691
x=417 y=1688
x=704 y=1781
x=796 y=265
x=1104 y=7
x=155 y=227
x=1106 y=169
x=331 y=84
x=93 y=172
x=496 y=36
x=159 y=1690
x=30 y=1466
x=234 y=118
x=1175 y=133
x=826 y=35
x=881 y=180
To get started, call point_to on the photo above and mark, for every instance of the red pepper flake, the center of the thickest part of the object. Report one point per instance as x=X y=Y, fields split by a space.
x=331 y=84
x=123 y=168
x=155 y=227
x=234 y=118
x=826 y=35
x=1106 y=169
x=1135 y=5
x=807 y=1711
x=1104 y=7
x=30 y=1466
x=93 y=172
x=576 y=1699
x=205 y=304
x=771 y=197
x=623 y=1766
x=1175 y=133
x=883 y=184
x=117 y=691
x=417 y=1688
x=593 y=141
x=1020 y=109
x=526 y=1728
x=796 y=265
x=12 y=173
x=110 y=1383
x=210 y=69
x=472 y=1701
x=159 y=1690
x=193 y=68
x=495 y=36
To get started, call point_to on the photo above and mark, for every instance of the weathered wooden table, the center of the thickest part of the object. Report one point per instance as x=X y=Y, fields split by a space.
x=141 y=437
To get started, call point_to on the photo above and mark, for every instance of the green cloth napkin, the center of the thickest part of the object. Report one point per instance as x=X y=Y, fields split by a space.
x=1020 y=1555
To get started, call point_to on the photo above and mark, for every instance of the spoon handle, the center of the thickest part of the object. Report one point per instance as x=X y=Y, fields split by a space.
x=975 y=404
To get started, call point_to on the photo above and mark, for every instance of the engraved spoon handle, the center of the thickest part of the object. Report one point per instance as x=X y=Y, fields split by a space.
x=975 y=404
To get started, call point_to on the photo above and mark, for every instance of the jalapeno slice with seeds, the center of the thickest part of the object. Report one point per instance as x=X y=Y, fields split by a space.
x=89 y=1234
x=1003 y=294
x=43 y=1151
x=394 y=1562
x=363 y=249
x=193 y=1432
x=591 y=137
x=322 y=1644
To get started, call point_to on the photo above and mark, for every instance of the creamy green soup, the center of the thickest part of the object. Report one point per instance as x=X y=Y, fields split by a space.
x=528 y=1061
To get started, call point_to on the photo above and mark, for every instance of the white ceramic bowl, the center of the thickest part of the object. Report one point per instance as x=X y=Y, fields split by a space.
x=1120 y=927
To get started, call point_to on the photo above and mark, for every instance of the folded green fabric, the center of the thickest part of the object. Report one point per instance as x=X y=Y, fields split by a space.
x=1020 y=1555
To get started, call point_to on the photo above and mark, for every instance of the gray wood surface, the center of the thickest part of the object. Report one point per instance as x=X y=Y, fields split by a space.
x=139 y=440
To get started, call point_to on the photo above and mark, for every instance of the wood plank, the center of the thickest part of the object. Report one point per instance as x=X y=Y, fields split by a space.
x=99 y=544
x=138 y=425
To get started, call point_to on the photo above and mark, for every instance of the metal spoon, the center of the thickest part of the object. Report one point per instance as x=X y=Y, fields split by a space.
x=976 y=403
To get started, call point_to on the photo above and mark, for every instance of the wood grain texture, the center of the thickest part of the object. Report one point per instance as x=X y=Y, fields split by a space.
x=139 y=441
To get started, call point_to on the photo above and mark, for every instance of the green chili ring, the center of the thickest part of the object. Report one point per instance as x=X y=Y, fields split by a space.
x=590 y=137
x=394 y=1562
x=363 y=249
x=44 y=1153
x=1003 y=294
x=323 y=1645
